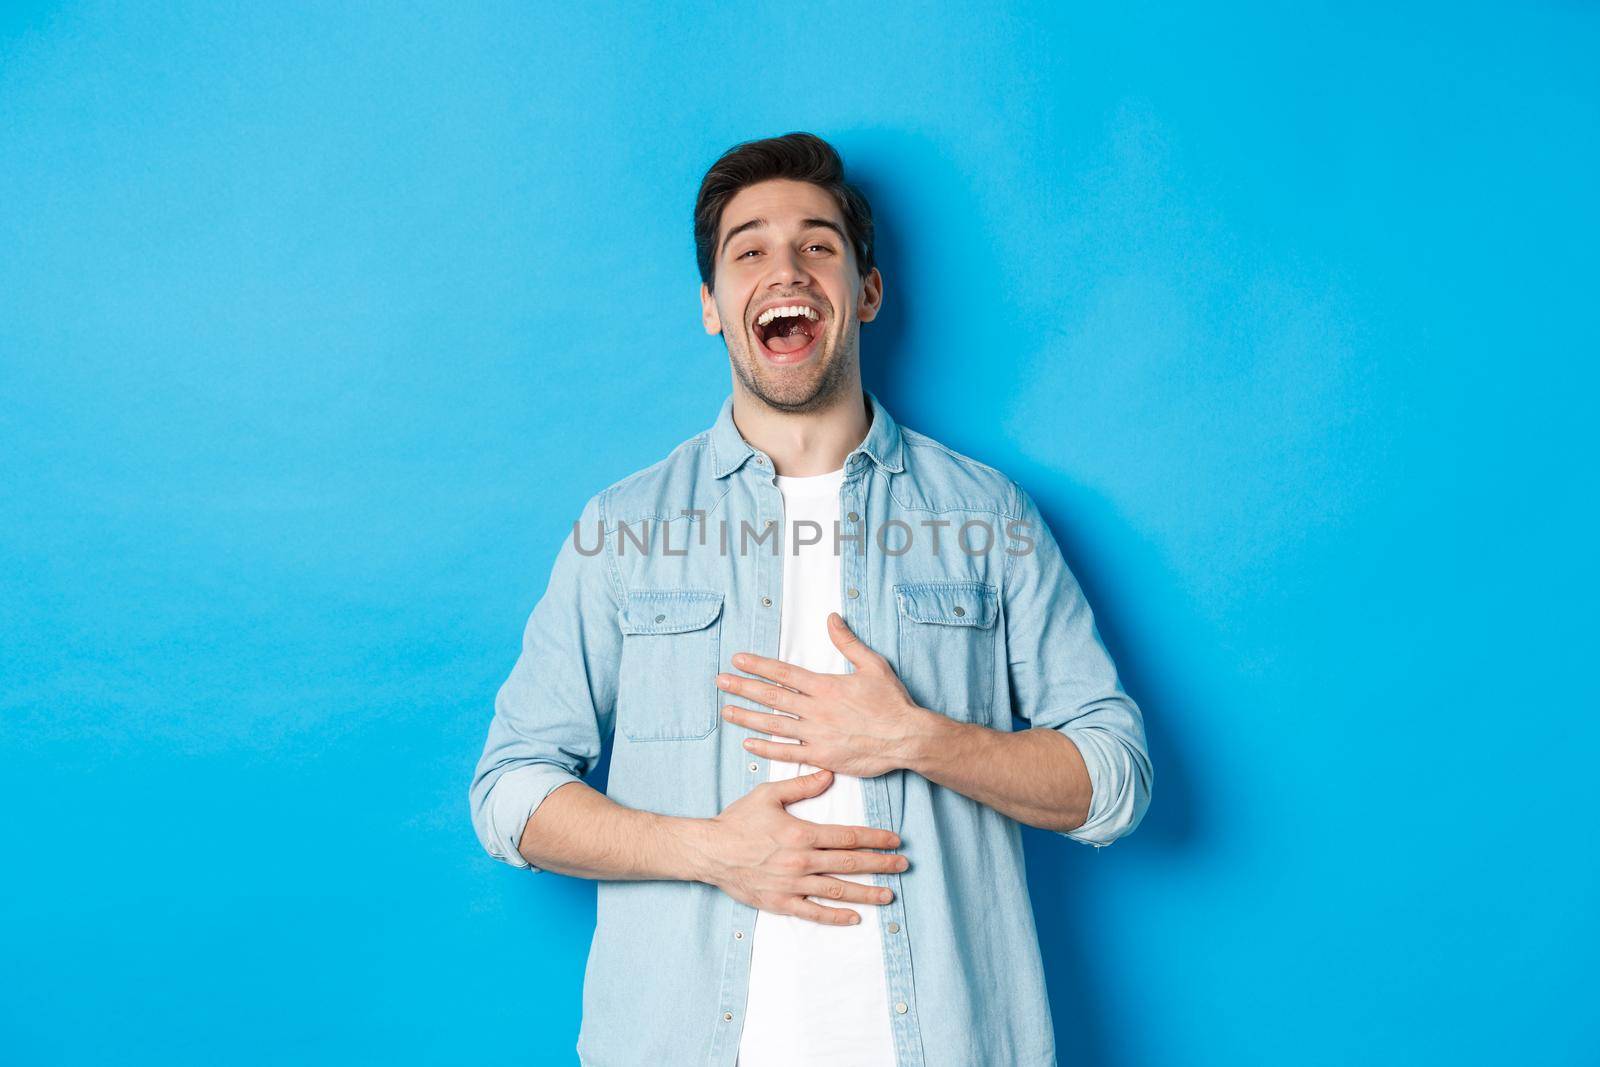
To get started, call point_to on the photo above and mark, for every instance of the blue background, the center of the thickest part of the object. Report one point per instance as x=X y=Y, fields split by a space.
x=317 y=329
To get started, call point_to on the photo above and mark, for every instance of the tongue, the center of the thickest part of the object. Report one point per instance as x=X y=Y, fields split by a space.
x=788 y=339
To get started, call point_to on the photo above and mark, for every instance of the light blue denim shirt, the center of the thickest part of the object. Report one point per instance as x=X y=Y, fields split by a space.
x=949 y=571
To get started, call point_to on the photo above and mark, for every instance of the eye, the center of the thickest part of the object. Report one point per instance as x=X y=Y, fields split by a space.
x=824 y=247
x=748 y=252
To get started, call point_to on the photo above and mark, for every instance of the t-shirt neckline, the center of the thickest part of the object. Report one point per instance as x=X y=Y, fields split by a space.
x=810 y=484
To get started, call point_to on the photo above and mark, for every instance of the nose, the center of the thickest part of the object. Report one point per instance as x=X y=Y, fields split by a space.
x=788 y=269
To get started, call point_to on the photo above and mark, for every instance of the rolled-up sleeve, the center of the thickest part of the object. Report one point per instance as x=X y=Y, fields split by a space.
x=555 y=710
x=1063 y=678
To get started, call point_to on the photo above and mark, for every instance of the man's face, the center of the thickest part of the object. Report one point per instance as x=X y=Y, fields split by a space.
x=782 y=247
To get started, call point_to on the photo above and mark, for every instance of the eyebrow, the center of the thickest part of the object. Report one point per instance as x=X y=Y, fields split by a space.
x=805 y=224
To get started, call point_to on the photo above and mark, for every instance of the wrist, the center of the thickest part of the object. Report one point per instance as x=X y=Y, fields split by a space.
x=692 y=839
x=929 y=737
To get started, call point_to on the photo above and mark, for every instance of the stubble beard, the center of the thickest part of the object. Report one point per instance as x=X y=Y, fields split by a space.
x=794 y=394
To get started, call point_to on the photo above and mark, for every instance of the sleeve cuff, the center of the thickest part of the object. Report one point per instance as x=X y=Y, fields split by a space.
x=516 y=795
x=1120 y=795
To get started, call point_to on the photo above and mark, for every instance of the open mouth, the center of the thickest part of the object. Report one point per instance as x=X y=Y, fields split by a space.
x=788 y=332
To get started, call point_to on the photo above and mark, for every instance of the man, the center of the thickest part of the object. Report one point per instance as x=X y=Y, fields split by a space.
x=806 y=632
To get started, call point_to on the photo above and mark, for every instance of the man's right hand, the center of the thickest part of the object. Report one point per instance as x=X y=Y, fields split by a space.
x=760 y=855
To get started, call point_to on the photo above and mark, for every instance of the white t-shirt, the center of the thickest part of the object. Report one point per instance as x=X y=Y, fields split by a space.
x=818 y=994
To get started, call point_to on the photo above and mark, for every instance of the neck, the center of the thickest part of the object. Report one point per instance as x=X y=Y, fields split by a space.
x=804 y=444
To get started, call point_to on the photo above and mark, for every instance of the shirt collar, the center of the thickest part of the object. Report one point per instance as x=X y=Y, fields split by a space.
x=729 y=449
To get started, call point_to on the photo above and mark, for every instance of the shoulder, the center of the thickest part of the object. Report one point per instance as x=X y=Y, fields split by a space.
x=938 y=478
x=681 y=480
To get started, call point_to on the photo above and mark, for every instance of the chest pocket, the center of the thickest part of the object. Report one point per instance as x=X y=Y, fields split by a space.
x=946 y=648
x=666 y=686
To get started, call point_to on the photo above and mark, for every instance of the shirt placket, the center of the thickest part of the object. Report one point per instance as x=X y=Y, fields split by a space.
x=876 y=790
x=750 y=771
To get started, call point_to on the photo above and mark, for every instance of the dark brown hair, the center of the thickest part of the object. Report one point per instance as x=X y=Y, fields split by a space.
x=802 y=157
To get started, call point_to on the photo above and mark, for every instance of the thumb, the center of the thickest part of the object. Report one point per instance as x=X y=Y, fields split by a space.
x=806 y=785
x=849 y=645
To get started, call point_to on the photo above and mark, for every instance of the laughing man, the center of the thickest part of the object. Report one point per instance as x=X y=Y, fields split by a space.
x=806 y=634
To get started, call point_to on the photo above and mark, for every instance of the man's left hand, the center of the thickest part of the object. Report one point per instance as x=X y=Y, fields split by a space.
x=862 y=724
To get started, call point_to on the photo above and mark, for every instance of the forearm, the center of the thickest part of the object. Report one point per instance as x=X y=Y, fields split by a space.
x=580 y=831
x=1035 y=776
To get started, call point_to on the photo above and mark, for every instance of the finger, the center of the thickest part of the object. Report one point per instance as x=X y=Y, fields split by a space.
x=820 y=885
x=839 y=861
x=828 y=835
x=776 y=670
x=806 y=909
x=852 y=647
x=773 y=696
x=806 y=785
x=782 y=725
x=779 y=751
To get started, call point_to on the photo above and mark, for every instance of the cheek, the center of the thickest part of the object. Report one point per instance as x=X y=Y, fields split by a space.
x=733 y=309
x=846 y=299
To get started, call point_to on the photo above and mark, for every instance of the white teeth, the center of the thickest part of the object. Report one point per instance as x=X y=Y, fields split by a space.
x=785 y=312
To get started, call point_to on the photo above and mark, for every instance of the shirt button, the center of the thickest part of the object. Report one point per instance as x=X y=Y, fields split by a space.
x=761 y=461
x=738 y=935
x=755 y=766
x=852 y=592
x=894 y=928
x=960 y=611
x=661 y=618
x=766 y=602
x=853 y=517
x=900 y=1007
x=727 y=1016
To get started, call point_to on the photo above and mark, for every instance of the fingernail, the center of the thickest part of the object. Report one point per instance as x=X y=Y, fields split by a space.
x=740 y=659
x=722 y=681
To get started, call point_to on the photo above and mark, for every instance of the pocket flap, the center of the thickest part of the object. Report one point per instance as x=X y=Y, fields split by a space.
x=947 y=603
x=669 y=611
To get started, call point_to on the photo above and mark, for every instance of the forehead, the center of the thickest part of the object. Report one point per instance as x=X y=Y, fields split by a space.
x=782 y=202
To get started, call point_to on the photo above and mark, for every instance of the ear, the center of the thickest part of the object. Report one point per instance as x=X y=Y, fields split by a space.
x=871 y=296
x=708 y=310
